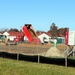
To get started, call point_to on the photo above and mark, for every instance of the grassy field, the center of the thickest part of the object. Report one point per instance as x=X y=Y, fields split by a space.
x=14 y=67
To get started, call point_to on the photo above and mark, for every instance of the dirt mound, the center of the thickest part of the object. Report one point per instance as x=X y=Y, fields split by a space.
x=53 y=52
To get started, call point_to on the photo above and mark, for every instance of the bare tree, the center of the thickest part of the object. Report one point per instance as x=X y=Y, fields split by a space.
x=4 y=29
x=14 y=29
x=62 y=31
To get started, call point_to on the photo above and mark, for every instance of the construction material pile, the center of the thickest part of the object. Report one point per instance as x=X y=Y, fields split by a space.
x=54 y=52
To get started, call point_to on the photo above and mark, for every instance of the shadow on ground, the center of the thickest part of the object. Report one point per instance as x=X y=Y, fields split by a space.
x=47 y=60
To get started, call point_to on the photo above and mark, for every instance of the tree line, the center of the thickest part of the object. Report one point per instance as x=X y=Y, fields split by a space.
x=54 y=30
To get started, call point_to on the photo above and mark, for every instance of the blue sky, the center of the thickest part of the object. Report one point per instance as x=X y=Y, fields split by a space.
x=40 y=13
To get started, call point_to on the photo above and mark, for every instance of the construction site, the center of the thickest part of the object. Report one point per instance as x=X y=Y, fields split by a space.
x=35 y=47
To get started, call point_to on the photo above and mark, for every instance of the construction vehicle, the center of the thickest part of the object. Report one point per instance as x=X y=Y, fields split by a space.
x=30 y=34
x=7 y=41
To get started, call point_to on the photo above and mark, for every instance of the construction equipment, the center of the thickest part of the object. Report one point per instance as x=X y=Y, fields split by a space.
x=7 y=41
x=30 y=33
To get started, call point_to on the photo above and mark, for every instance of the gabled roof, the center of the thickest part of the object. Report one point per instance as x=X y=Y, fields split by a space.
x=49 y=34
x=6 y=33
x=43 y=35
x=16 y=33
x=13 y=33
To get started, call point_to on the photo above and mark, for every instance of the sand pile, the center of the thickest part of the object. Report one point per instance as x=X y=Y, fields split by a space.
x=53 y=52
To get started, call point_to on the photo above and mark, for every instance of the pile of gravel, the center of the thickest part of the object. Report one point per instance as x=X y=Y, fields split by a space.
x=53 y=52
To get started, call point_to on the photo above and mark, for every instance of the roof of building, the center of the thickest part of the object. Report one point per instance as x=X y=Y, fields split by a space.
x=61 y=35
x=42 y=33
x=16 y=33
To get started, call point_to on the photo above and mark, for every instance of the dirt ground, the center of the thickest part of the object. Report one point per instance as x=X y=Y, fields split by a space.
x=31 y=49
x=59 y=46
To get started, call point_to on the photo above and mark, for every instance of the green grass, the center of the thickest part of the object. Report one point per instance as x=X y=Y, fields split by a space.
x=14 y=67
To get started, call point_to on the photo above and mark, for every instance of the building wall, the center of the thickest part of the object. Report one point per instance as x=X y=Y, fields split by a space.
x=11 y=38
x=42 y=36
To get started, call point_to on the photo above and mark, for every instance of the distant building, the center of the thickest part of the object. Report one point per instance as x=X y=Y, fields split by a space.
x=44 y=37
x=12 y=35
